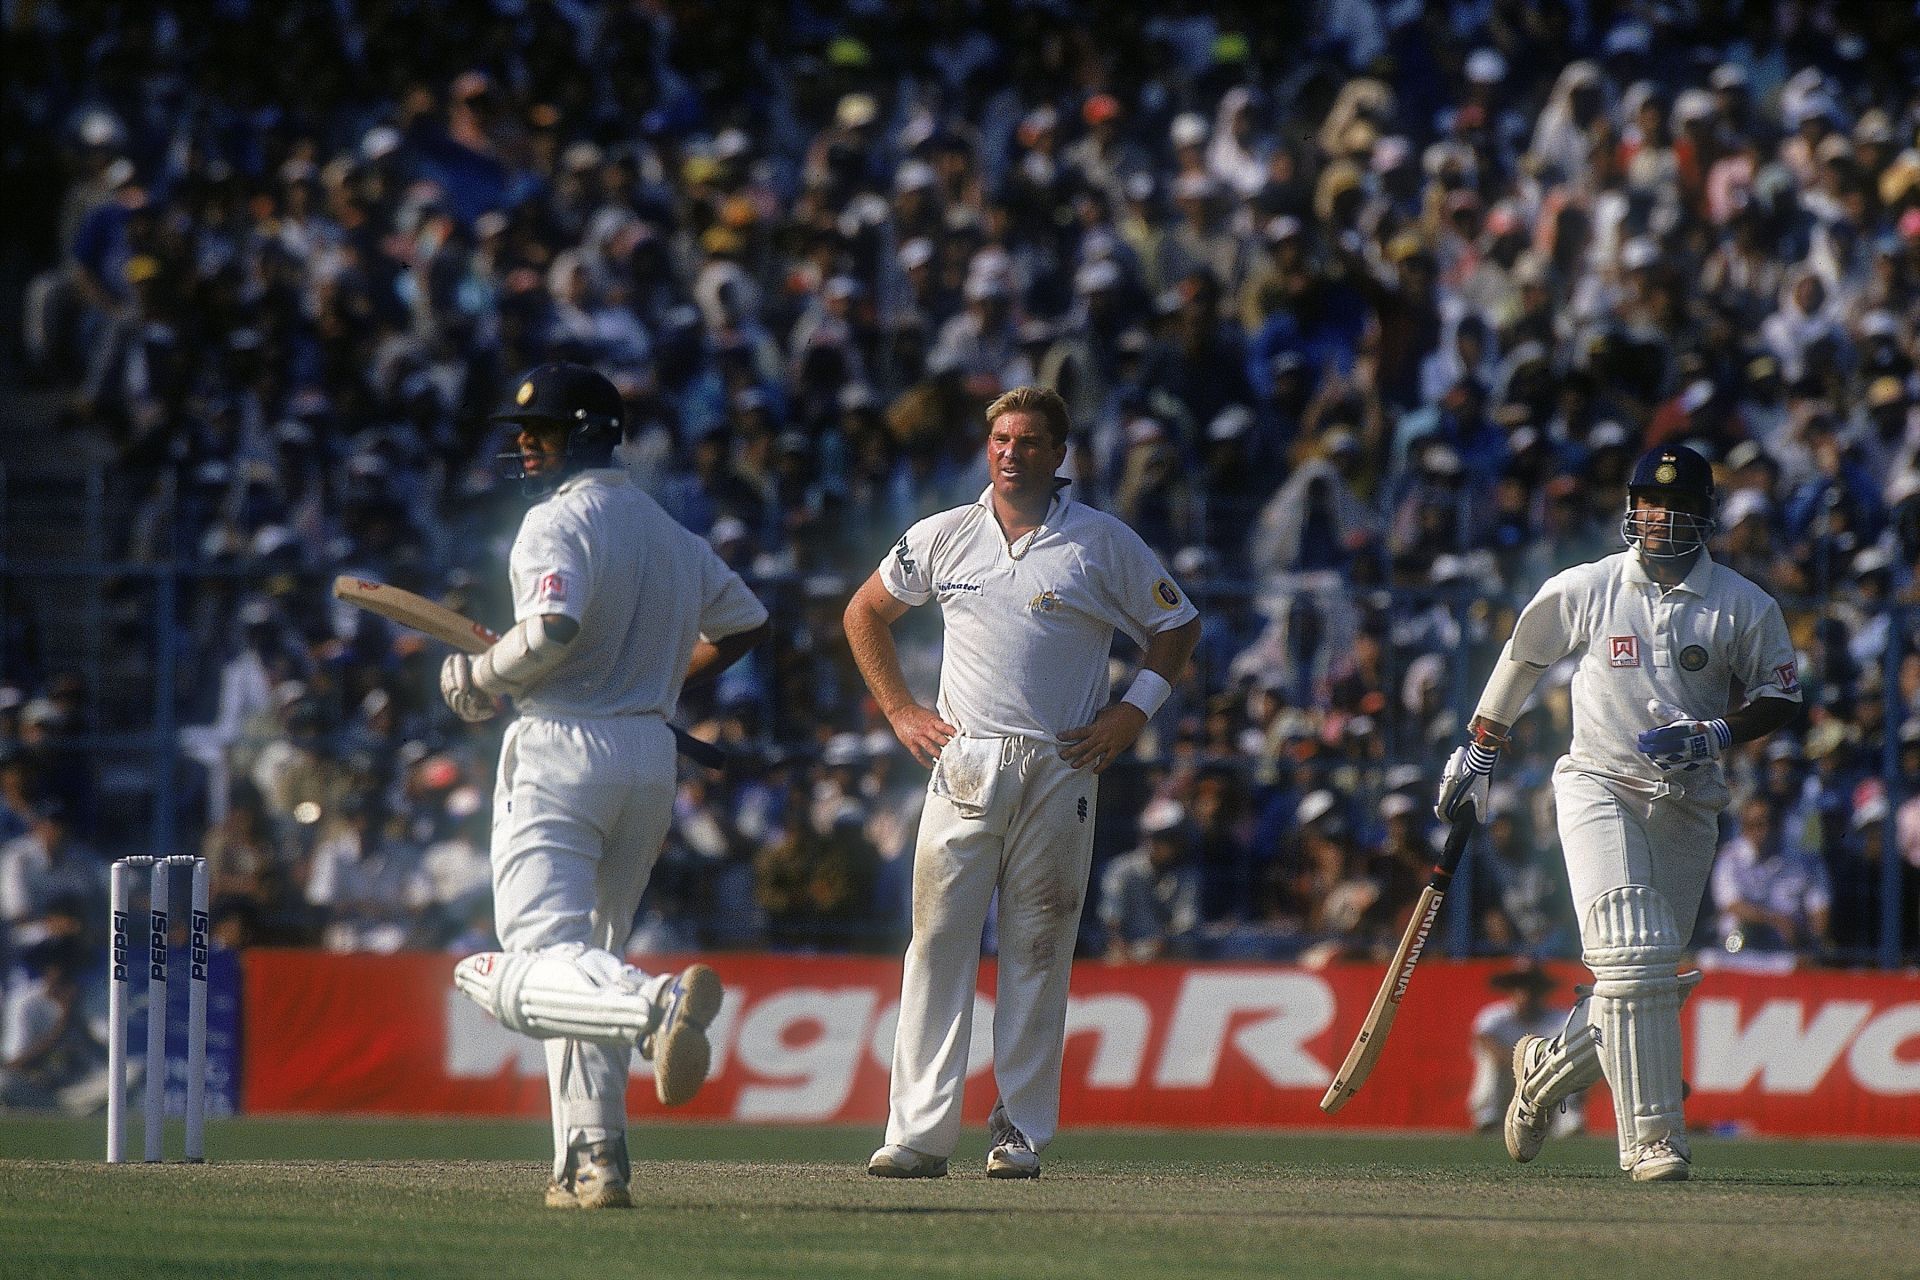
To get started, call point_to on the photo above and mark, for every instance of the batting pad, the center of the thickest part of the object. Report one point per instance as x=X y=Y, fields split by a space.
x=566 y=992
x=1632 y=948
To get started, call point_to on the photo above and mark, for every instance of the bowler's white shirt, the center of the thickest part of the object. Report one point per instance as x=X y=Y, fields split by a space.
x=1029 y=625
x=642 y=587
x=1689 y=646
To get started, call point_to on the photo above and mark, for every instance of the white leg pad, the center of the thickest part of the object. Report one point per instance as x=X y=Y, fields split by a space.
x=566 y=992
x=1632 y=946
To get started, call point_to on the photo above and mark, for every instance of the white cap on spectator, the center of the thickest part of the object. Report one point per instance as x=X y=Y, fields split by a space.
x=1874 y=559
x=1397 y=805
x=1095 y=276
x=843 y=749
x=40 y=711
x=727 y=529
x=1162 y=816
x=856 y=111
x=464 y=801
x=915 y=175
x=1283 y=227
x=381 y=140
x=1193 y=186
x=1639 y=253
x=1316 y=806
x=1145 y=430
x=1486 y=66
x=1744 y=504
x=731 y=143
x=1693 y=104
x=1728 y=75
x=1230 y=423
x=1607 y=435
x=916 y=252
x=1389 y=153
x=1139 y=187
x=1189 y=130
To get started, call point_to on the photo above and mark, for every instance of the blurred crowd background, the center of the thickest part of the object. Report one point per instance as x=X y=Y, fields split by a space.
x=1363 y=309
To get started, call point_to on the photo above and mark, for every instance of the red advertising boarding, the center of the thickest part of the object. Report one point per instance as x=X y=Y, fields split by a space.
x=807 y=1039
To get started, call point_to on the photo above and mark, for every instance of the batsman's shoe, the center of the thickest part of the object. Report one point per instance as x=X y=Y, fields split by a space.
x=677 y=1045
x=1012 y=1155
x=1661 y=1161
x=896 y=1161
x=596 y=1178
x=1526 y=1127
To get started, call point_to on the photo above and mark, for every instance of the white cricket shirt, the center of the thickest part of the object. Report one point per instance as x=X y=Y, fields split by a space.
x=1029 y=626
x=642 y=587
x=1689 y=646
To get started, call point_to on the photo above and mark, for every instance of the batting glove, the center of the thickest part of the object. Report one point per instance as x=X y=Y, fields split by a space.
x=1466 y=780
x=1686 y=744
x=469 y=701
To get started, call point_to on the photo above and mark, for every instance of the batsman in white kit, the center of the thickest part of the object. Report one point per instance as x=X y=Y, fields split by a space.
x=1032 y=586
x=1664 y=636
x=617 y=606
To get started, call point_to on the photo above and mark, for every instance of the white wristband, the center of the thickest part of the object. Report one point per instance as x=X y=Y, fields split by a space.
x=1149 y=691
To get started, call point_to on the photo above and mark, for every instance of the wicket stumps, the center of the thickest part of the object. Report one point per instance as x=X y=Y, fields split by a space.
x=119 y=1004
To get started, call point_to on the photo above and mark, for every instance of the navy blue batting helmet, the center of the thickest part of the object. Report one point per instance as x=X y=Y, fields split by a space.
x=1672 y=478
x=573 y=395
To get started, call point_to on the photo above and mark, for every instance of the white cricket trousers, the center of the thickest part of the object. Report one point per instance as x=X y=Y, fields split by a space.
x=580 y=808
x=1033 y=842
x=1610 y=842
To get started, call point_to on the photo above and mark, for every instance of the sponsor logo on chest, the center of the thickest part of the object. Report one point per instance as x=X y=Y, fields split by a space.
x=957 y=588
x=1623 y=651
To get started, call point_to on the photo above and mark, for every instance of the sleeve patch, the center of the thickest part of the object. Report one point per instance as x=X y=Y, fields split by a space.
x=1166 y=595
x=552 y=589
x=1788 y=675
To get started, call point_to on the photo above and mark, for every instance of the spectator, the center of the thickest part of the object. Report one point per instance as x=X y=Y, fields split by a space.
x=1772 y=899
x=1497 y=1028
x=1150 y=897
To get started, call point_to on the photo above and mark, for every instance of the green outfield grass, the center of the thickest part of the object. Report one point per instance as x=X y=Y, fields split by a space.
x=455 y=1198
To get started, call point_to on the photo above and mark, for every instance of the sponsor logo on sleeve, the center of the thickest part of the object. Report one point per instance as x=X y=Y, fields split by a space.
x=1166 y=595
x=1623 y=651
x=1788 y=674
x=907 y=564
x=553 y=588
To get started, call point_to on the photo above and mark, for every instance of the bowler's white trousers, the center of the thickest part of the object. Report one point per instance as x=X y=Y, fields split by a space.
x=580 y=808
x=1034 y=842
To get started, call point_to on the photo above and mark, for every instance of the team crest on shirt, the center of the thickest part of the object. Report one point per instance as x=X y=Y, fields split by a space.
x=1166 y=595
x=1045 y=602
x=1623 y=651
x=1693 y=658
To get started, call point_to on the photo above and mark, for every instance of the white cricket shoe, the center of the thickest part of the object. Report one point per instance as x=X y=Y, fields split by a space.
x=896 y=1161
x=677 y=1046
x=1661 y=1161
x=1012 y=1155
x=596 y=1178
x=1526 y=1127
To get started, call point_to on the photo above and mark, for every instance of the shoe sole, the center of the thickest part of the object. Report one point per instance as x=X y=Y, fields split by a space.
x=681 y=1053
x=1519 y=1154
x=936 y=1170
x=613 y=1197
x=1663 y=1171
x=1010 y=1171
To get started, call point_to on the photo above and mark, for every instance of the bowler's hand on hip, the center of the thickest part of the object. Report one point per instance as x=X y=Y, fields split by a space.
x=1101 y=743
x=921 y=732
x=469 y=701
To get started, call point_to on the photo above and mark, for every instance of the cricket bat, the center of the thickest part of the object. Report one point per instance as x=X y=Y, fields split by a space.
x=1372 y=1040
x=463 y=633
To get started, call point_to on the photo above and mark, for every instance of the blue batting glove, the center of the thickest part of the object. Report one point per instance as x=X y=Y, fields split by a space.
x=1685 y=744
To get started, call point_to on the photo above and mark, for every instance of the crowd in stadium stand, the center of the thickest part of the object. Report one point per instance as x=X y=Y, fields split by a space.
x=1362 y=308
